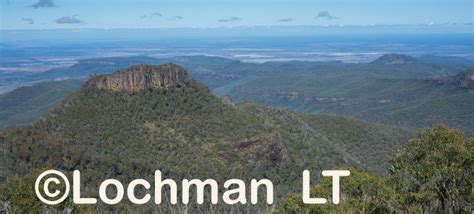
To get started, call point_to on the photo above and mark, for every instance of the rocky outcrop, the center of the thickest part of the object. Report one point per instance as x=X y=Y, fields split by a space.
x=466 y=79
x=227 y=100
x=142 y=78
x=394 y=59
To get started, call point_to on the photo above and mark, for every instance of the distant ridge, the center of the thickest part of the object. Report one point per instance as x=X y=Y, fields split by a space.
x=456 y=61
x=141 y=77
x=395 y=59
x=27 y=104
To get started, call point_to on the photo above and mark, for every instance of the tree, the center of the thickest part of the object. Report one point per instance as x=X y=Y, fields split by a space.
x=434 y=171
x=18 y=196
x=361 y=192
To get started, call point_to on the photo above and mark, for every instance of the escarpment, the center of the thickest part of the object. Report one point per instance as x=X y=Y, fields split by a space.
x=142 y=77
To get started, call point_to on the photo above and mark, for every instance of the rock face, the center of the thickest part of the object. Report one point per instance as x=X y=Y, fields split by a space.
x=394 y=59
x=141 y=78
x=463 y=80
x=227 y=100
x=466 y=79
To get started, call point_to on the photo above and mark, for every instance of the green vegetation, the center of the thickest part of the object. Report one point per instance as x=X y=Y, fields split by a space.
x=18 y=196
x=360 y=193
x=430 y=174
x=396 y=95
x=413 y=94
x=435 y=172
x=457 y=62
x=27 y=104
x=187 y=132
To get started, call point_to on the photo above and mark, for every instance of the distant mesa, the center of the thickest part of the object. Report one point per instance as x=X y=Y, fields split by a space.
x=466 y=79
x=141 y=78
x=395 y=59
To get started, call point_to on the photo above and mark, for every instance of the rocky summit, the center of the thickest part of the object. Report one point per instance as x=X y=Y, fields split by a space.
x=141 y=77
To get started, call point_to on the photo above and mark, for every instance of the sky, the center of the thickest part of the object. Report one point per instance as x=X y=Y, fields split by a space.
x=112 y=14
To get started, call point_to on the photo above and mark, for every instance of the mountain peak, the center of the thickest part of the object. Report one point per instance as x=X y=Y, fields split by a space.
x=141 y=77
x=394 y=59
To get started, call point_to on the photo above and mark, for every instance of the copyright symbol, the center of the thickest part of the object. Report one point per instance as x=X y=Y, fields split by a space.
x=53 y=177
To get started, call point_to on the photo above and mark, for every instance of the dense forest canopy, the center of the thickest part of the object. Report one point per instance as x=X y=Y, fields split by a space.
x=185 y=131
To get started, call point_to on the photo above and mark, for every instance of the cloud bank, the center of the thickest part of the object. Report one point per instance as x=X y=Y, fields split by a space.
x=325 y=15
x=231 y=19
x=151 y=15
x=287 y=20
x=68 y=20
x=28 y=20
x=43 y=4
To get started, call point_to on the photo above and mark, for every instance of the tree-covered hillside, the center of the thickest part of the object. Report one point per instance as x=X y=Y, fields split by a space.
x=187 y=132
x=432 y=173
x=27 y=104
x=365 y=94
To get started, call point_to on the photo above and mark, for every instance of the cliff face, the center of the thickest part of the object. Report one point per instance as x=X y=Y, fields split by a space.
x=141 y=78
x=463 y=80
x=466 y=79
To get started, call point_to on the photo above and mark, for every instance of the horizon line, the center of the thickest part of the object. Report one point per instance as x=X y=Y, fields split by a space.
x=466 y=24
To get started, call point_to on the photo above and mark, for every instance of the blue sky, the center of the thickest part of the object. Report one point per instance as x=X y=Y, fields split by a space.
x=76 y=14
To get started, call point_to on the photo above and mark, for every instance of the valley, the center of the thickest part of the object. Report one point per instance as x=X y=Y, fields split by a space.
x=147 y=117
x=411 y=94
